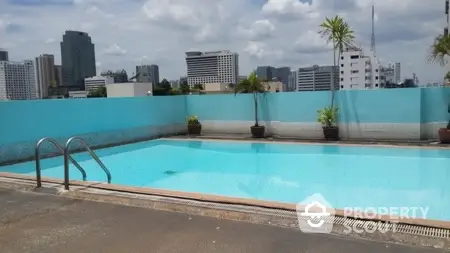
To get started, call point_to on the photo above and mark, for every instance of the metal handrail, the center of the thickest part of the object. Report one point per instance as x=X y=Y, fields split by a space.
x=66 y=160
x=38 y=159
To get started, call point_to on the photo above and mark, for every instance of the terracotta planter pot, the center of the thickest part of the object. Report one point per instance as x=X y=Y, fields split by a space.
x=194 y=129
x=258 y=131
x=331 y=133
x=444 y=135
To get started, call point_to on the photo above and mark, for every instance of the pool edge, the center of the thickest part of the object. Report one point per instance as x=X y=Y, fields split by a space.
x=229 y=200
x=380 y=144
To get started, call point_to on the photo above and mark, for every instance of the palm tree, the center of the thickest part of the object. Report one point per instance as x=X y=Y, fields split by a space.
x=252 y=84
x=337 y=31
x=438 y=52
x=440 y=49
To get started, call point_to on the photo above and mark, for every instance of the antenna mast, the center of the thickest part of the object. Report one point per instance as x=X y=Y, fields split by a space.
x=372 y=42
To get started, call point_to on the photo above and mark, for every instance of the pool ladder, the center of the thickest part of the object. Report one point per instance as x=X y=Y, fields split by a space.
x=67 y=157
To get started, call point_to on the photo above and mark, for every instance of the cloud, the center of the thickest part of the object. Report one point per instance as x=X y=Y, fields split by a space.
x=114 y=50
x=49 y=41
x=263 y=32
x=259 y=30
x=40 y=2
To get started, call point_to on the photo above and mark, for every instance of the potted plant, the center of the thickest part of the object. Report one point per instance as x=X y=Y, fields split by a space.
x=253 y=85
x=444 y=133
x=328 y=118
x=194 y=126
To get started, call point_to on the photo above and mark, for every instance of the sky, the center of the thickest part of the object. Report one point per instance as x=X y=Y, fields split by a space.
x=127 y=33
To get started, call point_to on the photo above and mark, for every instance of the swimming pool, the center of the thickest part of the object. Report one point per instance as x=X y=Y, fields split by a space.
x=346 y=176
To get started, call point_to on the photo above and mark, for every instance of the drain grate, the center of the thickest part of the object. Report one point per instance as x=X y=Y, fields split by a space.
x=338 y=220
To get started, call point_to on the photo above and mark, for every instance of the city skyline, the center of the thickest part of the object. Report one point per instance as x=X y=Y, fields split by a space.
x=276 y=33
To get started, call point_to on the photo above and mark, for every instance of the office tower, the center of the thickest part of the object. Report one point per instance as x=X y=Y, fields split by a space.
x=45 y=74
x=147 y=74
x=359 y=70
x=316 y=78
x=212 y=67
x=265 y=72
x=17 y=80
x=270 y=73
x=120 y=76
x=78 y=58
x=58 y=75
x=282 y=74
x=3 y=55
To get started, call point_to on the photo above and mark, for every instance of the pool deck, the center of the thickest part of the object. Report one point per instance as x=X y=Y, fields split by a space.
x=40 y=222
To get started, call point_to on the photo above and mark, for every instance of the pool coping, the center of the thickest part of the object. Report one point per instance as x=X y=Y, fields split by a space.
x=275 y=140
x=232 y=200
x=430 y=144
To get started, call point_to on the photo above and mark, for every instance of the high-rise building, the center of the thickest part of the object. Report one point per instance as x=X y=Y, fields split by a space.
x=45 y=74
x=17 y=80
x=282 y=75
x=78 y=58
x=95 y=82
x=359 y=70
x=316 y=78
x=120 y=76
x=292 y=82
x=58 y=75
x=265 y=72
x=391 y=74
x=397 y=72
x=269 y=73
x=3 y=55
x=212 y=67
x=147 y=74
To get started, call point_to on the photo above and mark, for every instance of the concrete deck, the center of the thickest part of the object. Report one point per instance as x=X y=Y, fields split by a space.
x=37 y=222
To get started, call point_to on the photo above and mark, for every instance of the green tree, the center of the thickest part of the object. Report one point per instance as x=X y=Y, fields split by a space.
x=53 y=83
x=440 y=49
x=251 y=85
x=199 y=86
x=184 y=87
x=175 y=91
x=98 y=93
x=164 y=84
x=336 y=31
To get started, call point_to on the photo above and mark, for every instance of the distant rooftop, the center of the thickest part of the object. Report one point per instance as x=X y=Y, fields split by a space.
x=199 y=53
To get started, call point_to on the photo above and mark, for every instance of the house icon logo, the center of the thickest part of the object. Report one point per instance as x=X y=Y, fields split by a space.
x=315 y=215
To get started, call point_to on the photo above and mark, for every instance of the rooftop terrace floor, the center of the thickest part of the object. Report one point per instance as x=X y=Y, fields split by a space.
x=40 y=222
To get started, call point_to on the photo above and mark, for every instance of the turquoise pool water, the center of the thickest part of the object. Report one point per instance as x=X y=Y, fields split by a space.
x=346 y=176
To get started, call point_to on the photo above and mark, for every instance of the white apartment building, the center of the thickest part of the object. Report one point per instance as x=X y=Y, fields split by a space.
x=212 y=67
x=95 y=82
x=78 y=94
x=17 y=80
x=392 y=73
x=135 y=89
x=359 y=70
x=397 y=72
x=45 y=74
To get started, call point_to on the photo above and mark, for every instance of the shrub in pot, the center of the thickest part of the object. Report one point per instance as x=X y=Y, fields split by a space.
x=194 y=126
x=328 y=118
x=252 y=84
x=444 y=133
